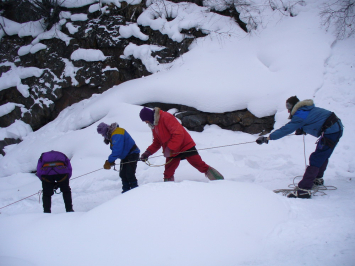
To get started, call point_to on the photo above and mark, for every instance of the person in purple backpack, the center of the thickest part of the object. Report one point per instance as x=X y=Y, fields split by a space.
x=54 y=170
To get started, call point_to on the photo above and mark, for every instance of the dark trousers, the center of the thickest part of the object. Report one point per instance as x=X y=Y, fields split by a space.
x=318 y=160
x=128 y=167
x=49 y=182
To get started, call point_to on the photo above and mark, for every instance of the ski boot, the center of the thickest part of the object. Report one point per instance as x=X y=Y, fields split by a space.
x=300 y=193
x=318 y=181
x=213 y=174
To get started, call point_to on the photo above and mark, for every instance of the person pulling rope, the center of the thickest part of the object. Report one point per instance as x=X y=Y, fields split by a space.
x=315 y=121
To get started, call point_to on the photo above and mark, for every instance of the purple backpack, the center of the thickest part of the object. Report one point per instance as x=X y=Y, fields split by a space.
x=53 y=163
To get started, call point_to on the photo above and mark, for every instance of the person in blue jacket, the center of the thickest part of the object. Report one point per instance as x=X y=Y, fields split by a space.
x=123 y=147
x=315 y=121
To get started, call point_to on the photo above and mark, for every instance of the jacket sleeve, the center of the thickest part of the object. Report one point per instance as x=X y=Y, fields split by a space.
x=155 y=145
x=177 y=133
x=117 y=141
x=290 y=127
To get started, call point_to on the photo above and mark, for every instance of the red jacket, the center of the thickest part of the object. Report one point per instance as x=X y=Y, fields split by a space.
x=168 y=132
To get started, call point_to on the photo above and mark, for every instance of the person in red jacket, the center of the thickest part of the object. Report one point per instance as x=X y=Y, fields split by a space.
x=176 y=142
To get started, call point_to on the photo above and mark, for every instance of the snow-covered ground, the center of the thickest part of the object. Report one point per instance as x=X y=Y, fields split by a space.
x=193 y=221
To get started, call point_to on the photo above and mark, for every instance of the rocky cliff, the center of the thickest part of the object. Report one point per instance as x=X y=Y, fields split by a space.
x=59 y=79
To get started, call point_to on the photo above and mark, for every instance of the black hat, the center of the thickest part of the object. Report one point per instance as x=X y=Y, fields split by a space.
x=291 y=102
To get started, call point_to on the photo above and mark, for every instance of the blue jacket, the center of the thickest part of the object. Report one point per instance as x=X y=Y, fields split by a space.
x=309 y=118
x=121 y=145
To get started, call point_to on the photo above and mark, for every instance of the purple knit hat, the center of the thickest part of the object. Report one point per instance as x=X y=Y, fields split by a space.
x=147 y=115
x=102 y=129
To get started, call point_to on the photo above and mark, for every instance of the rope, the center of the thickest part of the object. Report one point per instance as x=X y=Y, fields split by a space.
x=146 y=162
x=151 y=165
x=187 y=152
x=86 y=173
x=315 y=189
x=39 y=193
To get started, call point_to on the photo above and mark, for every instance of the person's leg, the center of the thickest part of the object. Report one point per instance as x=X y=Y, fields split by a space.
x=170 y=167
x=322 y=169
x=124 y=178
x=210 y=172
x=66 y=191
x=319 y=179
x=318 y=161
x=47 y=196
x=196 y=161
x=131 y=162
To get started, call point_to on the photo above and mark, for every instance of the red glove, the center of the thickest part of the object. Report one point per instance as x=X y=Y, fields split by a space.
x=145 y=156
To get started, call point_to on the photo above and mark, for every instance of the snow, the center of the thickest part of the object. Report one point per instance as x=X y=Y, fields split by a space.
x=108 y=68
x=37 y=47
x=132 y=30
x=72 y=28
x=54 y=32
x=17 y=130
x=143 y=52
x=185 y=16
x=76 y=3
x=24 y=50
x=193 y=221
x=10 y=27
x=79 y=17
x=8 y=108
x=13 y=78
x=81 y=3
x=89 y=55
x=93 y=8
x=70 y=71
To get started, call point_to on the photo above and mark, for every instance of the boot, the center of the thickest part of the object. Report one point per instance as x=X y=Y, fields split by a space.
x=68 y=201
x=47 y=202
x=134 y=184
x=125 y=186
x=300 y=193
x=318 y=181
x=213 y=174
x=170 y=179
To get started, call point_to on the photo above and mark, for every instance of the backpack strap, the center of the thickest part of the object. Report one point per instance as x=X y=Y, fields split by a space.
x=58 y=164
x=331 y=120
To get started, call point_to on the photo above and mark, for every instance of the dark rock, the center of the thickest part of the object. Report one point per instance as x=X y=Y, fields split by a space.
x=60 y=85
x=6 y=142
x=194 y=122
x=241 y=120
x=10 y=118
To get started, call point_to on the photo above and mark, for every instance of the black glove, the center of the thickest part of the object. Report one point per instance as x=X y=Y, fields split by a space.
x=300 y=131
x=262 y=140
x=145 y=156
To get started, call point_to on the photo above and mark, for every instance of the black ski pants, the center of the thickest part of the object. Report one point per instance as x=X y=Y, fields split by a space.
x=49 y=182
x=128 y=167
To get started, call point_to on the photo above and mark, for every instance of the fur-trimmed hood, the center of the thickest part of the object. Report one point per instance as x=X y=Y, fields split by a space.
x=300 y=104
x=156 y=115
